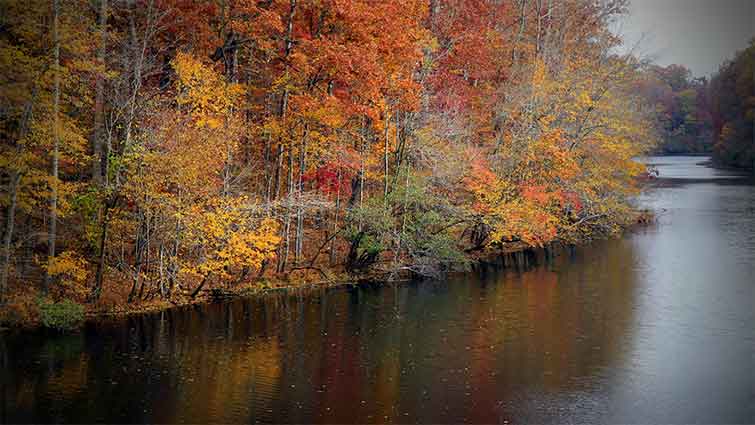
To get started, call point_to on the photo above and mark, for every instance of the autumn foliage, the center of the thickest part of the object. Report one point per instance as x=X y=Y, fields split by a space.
x=201 y=144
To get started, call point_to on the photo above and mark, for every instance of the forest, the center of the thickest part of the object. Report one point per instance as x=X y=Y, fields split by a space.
x=701 y=115
x=732 y=93
x=155 y=150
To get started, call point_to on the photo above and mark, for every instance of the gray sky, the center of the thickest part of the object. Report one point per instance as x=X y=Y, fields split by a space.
x=699 y=34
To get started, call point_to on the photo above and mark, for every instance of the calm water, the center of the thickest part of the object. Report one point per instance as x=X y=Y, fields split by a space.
x=656 y=327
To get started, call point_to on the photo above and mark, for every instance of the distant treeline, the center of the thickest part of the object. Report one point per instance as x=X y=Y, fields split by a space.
x=697 y=115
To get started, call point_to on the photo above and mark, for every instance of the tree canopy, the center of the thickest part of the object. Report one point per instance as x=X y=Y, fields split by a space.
x=182 y=145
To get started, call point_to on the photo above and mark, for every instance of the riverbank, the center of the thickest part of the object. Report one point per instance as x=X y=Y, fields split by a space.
x=721 y=165
x=514 y=255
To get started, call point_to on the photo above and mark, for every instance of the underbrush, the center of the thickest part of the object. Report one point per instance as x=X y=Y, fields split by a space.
x=65 y=315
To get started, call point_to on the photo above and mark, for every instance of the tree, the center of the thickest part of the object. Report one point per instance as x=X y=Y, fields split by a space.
x=733 y=101
x=683 y=116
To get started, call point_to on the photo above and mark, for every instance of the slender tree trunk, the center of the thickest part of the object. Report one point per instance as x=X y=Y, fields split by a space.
x=385 y=158
x=137 y=81
x=163 y=287
x=288 y=45
x=397 y=254
x=100 y=273
x=290 y=27
x=52 y=231
x=99 y=100
x=278 y=170
x=173 y=267
x=539 y=26
x=299 y=245
x=434 y=9
x=99 y=162
x=138 y=254
x=287 y=225
x=268 y=176
x=335 y=219
x=399 y=154
x=362 y=172
x=290 y=196
x=522 y=26
x=199 y=288
x=147 y=262
x=360 y=176
x=8 y=235
x=227 y=172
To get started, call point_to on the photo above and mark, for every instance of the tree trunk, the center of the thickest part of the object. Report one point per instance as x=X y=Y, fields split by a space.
x=522 y=26
x=287 y=226
x=163 y=287
x=147 y=261
x=403 y=218
x=8 y=235
x=199 y=288
x=362 y=173
x=136 y=83
x=227 y=172
x=99 y=162
x=52 y=230
x=278 y=167
x=97 y=140
x=399 y=154
x=290 y=27
x=100 y=273
x=335 y=219
x=288 y=45
x=138 y=254
x=539 y=26
x=385 y=158
x=173 y=267
x=299 y=244
x=268 y=176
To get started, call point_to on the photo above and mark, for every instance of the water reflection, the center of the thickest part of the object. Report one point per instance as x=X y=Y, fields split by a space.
x=653 y=327
x=461 y=350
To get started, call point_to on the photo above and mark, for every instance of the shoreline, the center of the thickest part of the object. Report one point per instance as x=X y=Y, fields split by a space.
x=515 y=257
x=518 y=256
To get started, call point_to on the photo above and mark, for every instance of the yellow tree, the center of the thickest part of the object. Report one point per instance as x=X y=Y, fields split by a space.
x=179 y=189
x=563 y=168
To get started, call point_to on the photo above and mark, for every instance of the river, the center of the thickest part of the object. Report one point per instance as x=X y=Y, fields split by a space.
x=657 y=326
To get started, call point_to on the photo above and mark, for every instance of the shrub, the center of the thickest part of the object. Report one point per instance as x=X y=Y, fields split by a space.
x=65 y=315
x=412 y=218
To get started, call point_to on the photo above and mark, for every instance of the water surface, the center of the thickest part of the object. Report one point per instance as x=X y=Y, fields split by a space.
x=658 y=326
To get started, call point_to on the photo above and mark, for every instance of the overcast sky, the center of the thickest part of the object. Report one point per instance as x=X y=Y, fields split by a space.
x=699 y=34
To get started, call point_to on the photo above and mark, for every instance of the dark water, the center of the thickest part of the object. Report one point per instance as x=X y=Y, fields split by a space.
x=656 y=327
